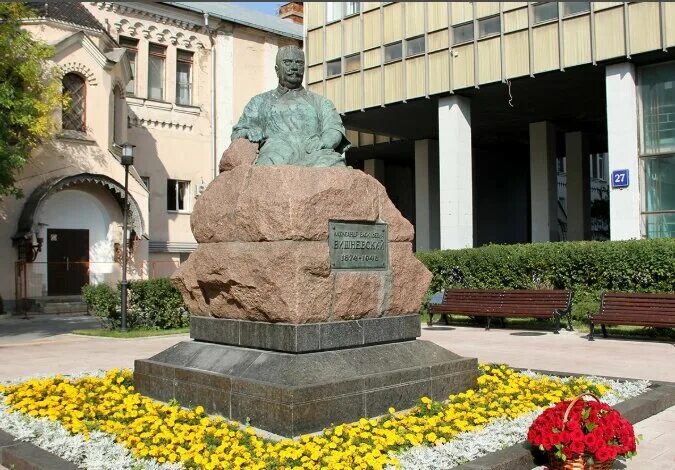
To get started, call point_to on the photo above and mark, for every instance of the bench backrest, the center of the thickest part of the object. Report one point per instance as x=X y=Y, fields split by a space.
x=542 y=302
x=623 y=303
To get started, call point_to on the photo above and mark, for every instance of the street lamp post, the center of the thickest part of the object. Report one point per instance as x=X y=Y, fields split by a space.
x=127 y=160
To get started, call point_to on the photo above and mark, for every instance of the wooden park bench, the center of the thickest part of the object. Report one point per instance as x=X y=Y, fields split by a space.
x=504 y=303
x=638 y=309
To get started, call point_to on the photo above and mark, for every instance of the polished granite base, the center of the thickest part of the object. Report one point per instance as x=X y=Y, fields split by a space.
x=295 y=393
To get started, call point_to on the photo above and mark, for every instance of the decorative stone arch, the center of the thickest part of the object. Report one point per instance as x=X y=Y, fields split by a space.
x=117 y=83
x=39 y=196
x=81 y=69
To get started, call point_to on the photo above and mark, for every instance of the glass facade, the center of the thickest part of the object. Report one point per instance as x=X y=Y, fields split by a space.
x=546 y=11
x=414 y=46
x=657 y=148
x=334 y=67
x=488 y=26
x=462 y=33
x=393 y=51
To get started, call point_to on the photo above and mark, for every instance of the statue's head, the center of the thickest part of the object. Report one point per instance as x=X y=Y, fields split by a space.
x=290 y=66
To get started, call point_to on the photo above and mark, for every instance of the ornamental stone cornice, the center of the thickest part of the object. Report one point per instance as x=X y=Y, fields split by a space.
x=80 y=69
x=161 y=35
x=150 y=12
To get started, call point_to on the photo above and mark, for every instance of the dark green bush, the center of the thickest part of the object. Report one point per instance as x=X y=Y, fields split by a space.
x=152 y=304
x=586 y=268
x=157 y=304
x=103 y=301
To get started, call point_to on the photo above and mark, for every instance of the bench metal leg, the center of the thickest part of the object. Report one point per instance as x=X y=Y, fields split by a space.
x=556 y=317
x=569 y=320
x=430 y=321
x=592 y=333
x=604 y=331
x=444 y=317
x=502 y=320
x=487 y=328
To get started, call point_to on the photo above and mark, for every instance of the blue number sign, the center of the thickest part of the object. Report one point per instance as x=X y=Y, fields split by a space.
x=620 y=179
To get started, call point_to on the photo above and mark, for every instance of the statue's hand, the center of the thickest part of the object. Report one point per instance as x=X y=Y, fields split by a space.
x=254 y=135
x=330 y=139
x=313 y=144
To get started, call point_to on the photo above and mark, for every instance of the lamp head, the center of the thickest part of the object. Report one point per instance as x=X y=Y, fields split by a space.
x=127 y=154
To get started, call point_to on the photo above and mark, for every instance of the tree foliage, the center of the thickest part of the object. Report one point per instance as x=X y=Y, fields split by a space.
x=30 y=92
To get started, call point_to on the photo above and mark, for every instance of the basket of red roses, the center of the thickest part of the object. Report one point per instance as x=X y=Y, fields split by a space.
x=582 y=435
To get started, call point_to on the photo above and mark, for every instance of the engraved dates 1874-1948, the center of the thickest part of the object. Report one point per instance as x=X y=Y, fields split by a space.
x=358 y=246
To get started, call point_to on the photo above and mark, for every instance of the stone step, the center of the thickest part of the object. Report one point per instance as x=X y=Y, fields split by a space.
x=64 y=307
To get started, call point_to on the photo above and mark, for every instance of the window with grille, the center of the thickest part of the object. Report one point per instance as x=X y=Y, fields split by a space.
x=131 y=45
x=156 y=59
x=177 y=195
x=184 y=77
x=73 y=112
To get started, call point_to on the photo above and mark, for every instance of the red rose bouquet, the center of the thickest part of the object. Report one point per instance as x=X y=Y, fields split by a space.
x=580 y=434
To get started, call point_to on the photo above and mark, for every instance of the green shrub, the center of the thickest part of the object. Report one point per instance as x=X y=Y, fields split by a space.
x=151 y=304
x=103 y=301
x=586 y=268
x=157 y=304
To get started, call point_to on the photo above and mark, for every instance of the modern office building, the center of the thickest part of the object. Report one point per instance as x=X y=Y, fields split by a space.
x=506 y=122
x=170 y=78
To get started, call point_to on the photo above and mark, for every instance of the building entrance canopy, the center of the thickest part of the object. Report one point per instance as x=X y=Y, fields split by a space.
x=43 y=192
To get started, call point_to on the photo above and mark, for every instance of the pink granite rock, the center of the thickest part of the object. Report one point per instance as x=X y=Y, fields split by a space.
x=269 y=203
x=263 y=251
x=291 y=282
x=240 y=152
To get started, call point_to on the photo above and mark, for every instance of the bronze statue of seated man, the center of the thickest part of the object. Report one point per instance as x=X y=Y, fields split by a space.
x=292 y=125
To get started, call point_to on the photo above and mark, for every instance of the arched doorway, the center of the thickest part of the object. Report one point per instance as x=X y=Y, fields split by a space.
x=78 y=219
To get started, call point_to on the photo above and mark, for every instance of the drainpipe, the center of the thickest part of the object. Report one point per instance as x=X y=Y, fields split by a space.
x=214 y=131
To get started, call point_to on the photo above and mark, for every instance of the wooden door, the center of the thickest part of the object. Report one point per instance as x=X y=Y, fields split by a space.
x=68 y=261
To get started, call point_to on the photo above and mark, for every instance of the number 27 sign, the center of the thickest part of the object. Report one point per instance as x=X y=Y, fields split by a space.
x=620 y=179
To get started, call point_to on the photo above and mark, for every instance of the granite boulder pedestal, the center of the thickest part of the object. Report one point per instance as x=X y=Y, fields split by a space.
x=283 y=338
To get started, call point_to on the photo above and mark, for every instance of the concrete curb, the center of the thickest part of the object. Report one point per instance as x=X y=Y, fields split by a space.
x=523 y=456
x=19 y=455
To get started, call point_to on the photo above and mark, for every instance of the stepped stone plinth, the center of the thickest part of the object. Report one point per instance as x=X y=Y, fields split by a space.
x=305 y=295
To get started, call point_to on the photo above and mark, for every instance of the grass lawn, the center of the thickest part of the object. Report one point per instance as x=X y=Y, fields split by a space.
x=130 y=333
x=579 y=326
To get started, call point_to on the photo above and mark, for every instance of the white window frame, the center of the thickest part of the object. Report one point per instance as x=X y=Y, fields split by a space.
x=190 y=77
x=163 y=77
x=186 y=200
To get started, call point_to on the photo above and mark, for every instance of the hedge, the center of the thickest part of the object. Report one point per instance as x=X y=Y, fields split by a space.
x=153 y=304
x=586 y=268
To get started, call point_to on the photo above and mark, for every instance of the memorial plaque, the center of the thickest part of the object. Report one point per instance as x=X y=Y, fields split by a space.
x=358 y=246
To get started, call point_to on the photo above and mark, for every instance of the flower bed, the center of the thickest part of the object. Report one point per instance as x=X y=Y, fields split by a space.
x=92 y=407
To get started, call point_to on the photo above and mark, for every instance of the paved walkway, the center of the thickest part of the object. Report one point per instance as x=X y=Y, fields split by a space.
x=19 y=329
x=565 y=352
x=47 y=350
x=572 y=352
